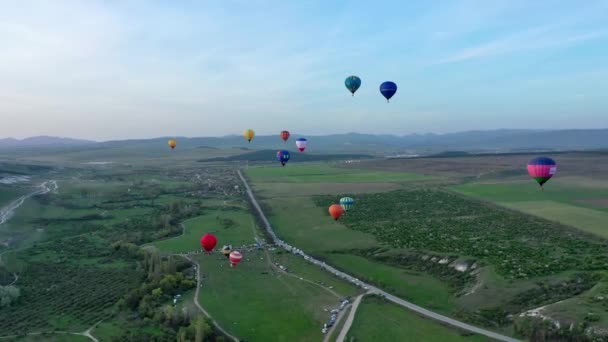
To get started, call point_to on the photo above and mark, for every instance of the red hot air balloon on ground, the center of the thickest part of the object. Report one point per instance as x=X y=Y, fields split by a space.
x=208 y=242
x=285 y=135
x=335 y=210
x=235 y=258
x=542 y=169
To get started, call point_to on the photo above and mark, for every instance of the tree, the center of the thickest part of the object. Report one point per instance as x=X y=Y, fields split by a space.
x=157 y=292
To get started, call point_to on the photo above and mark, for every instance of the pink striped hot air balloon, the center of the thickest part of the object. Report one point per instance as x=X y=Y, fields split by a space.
x=235 y=258
x=542 y=169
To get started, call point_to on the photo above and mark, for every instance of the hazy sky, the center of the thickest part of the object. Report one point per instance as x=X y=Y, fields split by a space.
x=121 y=69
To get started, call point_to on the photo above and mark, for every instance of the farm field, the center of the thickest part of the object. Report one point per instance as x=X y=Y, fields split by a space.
x=377 y=320
x=236 y=297
x=397 y=234
x=64 y=247
x=562 y=201
x=324 y=173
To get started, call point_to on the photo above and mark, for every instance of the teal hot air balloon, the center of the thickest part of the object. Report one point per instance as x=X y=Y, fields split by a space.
x=347 y=203
x=352 y=83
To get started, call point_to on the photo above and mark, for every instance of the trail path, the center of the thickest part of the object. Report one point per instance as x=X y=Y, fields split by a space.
x=198 y=305
x=371 y=288
x=349 y=319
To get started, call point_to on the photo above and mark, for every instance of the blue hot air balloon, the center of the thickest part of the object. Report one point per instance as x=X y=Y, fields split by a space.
x=388 y=89
x=352 y=83
x=283 y=156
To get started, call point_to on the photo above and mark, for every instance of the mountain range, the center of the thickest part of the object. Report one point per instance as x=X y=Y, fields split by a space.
x=504 y=140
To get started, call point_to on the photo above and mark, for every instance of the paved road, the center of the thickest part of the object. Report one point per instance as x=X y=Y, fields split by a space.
x=370 y=288
x=350 y=319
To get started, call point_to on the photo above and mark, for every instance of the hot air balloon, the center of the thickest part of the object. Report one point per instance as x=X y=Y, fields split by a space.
x=172 y=143
x=352 y=83
x=235 y=258
x=208 y=242
x=226 y=250
x=283 y=156
x=542 y=169
x=285 y=135
x=301 y=144
x=249 y=134
x=388 y=89
x=335 y=210
x=347 y=203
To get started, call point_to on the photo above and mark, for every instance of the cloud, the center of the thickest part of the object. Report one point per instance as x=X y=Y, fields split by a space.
x=526 y=41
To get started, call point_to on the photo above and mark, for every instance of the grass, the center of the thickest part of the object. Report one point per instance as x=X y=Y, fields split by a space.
x=589 y=220
x=308 y=189
x=301 y=222
x=253 y=302
x=323 y=173
x=413 y=286
x=292 y=308
x=564 y=202
x=238 y=235
x=377 y=320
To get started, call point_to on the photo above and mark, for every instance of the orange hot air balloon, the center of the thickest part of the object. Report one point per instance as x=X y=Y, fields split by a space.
x=285 y=135
x=172 y=143
x=335 y=210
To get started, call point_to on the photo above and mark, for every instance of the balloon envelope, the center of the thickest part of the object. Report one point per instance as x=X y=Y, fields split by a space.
x=352 y=83
x=347 y=203
x=283 y=157
x=226 y=249
x=542 y=169
x=335 y=210
x=208 y=242
x=301 y=144
x=285 y=135
x=172 y=143
x=249 y=134
x=388 y=89
x=235 y=258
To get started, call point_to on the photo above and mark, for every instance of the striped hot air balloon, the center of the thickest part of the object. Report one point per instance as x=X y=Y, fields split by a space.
x=301 y=143
x=235 y=258
x=347 y=203
x=542 y=169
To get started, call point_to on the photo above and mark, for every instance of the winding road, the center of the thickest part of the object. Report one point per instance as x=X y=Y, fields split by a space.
x=370 y=288
x=7 y=211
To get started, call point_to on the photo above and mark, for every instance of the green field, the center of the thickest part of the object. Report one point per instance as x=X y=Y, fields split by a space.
x=237 y=297
x=235 y=234
x=377 y=320
x=416 y=287
x=324 y=173
x=563 y=201
x=388 y=233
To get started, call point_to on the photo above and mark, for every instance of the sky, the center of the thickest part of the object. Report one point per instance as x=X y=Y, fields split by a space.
x=120 y=69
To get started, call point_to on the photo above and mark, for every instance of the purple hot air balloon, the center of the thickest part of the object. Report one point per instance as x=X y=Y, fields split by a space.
x=542 y=169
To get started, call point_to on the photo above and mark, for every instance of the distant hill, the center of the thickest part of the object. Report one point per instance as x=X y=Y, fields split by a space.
x=43 y=141
x=269 y=156
x=504 y=140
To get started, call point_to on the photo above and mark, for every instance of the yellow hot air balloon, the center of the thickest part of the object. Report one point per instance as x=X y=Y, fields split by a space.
x=249 y=134
x=172 y=143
